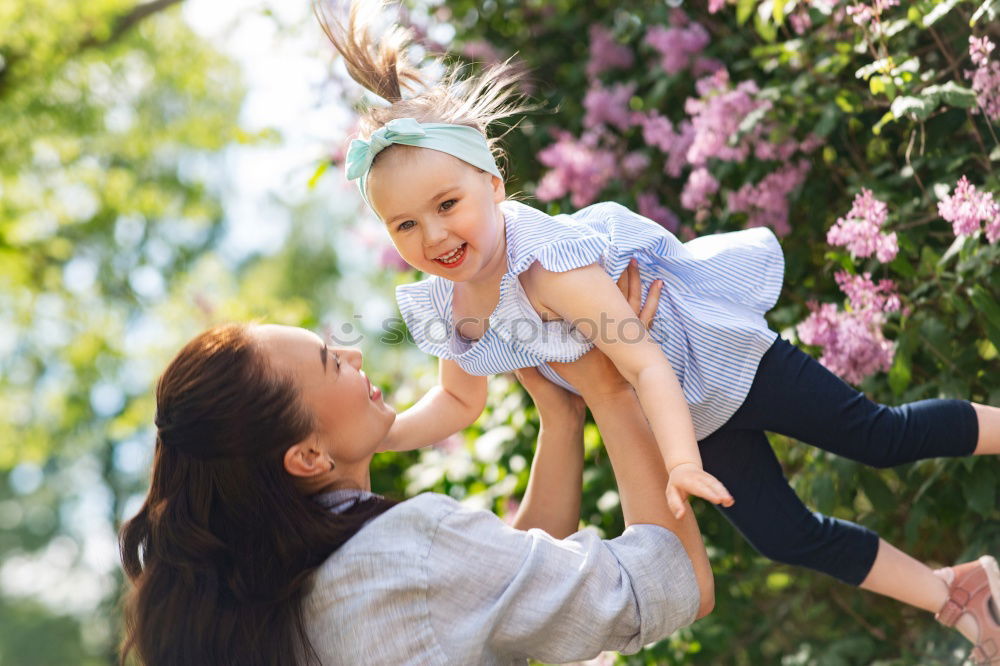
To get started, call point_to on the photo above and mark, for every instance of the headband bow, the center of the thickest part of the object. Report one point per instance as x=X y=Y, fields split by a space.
x=461 y=141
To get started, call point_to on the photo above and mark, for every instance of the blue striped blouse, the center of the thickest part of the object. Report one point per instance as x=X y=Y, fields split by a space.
x=709 y=322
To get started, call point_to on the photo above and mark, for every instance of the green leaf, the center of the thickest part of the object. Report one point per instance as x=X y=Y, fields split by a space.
x=980 y=491
x=318 y=173
x=985 y=303
x=950 y=93
x=900 y=373
x=939 y=11
x=990 y=8
x=767 y=31
x=877 y=491
x=906 y=105
x=778 y=11
x=883 y=121
x=744 y=9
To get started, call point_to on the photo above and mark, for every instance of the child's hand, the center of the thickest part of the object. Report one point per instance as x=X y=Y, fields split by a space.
x=690 y=479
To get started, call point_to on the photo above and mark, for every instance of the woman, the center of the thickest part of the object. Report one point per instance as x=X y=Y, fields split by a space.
x=260 y=543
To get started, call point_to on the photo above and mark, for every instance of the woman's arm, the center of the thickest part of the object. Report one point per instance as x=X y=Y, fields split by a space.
x=630 y=444
x=588 y=299
x=551 y=501
x=451 y=406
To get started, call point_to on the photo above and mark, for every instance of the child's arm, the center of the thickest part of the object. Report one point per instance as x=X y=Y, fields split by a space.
x=587 y=298
x=452 y=405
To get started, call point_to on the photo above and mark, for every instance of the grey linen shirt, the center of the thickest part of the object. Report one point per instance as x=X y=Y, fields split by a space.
x=432 y=582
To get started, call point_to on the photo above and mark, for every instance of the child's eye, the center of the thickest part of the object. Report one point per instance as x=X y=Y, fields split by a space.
x=403 y=226
x=450 y=203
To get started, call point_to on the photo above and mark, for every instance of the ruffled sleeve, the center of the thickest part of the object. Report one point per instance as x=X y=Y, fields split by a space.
x=426 y=309
x=559 y=243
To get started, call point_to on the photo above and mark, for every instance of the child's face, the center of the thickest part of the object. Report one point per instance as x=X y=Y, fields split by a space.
x=441 y=213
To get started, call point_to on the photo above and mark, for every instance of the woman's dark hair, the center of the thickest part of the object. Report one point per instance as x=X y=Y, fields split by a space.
x=220 y=554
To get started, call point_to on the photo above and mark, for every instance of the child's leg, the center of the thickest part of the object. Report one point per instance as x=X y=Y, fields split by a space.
x=989 y=429
x=794 y=395
x=776 y=522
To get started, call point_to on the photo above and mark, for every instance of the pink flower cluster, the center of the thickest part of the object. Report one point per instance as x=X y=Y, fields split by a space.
x=678 y=45
x=767 y=201
x=986 y=77
x=659 y=132
x=862 y=14
x=606 y=53
x=866 y=296
x=650 y=206
x=852 y=341
x=609 y=106
x=699 y=187
x=853 y=344
x=967 y=207
x=580 y=168
x=717 y=115
x=860 y=231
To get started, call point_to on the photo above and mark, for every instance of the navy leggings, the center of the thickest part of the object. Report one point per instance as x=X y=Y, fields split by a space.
x=794 y=395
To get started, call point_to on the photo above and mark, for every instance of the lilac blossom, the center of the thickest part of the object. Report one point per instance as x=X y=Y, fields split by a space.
x=634 y=163
x=865 y=295
x=650 y=206
x=862 y=13
x=967 y=207
x=677 y=45
x=986 y=77
x=715 y=5
x=716 y=116
x=578 y=167
x=699 y=187
x=860 y=230
x=608 y=106
x=606 y=53
x=853 y=344
x=766 y=202
x=659 y=132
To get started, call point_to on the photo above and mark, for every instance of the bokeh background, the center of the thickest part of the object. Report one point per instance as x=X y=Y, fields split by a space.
x=170 y=164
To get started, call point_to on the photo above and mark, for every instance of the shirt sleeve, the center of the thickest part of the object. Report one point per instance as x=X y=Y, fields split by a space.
x=494 y=589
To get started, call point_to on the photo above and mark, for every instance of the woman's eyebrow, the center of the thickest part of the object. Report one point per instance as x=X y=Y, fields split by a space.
x=322 y=356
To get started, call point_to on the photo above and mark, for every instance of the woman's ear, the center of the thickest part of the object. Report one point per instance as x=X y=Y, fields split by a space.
x=304 y=460
x=499 y=191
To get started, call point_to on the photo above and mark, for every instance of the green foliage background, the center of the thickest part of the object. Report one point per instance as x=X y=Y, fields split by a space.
x=111 y=115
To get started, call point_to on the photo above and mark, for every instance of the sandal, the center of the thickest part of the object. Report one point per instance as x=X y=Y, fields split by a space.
x=971 y=589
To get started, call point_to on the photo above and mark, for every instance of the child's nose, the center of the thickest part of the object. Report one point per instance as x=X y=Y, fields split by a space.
x=434 y=233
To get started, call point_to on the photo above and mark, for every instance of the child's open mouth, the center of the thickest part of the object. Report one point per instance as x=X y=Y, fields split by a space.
x=453 y=258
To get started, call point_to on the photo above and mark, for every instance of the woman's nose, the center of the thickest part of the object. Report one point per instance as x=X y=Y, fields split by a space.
x=352 y=355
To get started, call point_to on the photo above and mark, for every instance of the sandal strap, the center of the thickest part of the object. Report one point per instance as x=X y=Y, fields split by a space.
x=949 y=613
x=985 y=653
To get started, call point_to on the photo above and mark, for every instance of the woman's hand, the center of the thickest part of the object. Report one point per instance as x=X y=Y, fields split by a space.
x=550 y=399
x=593 y=374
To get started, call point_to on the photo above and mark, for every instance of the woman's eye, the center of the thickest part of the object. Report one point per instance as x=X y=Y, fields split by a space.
x=336 y=357
x=403 y=226
x=450 y=203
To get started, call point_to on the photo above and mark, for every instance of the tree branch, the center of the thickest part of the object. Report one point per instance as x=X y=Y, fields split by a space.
x=127 y=21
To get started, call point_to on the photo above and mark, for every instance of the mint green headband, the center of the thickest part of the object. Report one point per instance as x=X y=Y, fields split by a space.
x=464 y=142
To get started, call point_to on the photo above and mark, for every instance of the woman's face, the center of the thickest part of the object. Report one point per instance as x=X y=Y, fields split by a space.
x=351 y=417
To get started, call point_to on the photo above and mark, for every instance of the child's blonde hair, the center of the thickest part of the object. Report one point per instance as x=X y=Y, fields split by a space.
x=383 y=67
